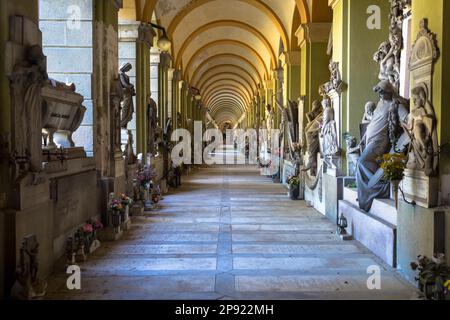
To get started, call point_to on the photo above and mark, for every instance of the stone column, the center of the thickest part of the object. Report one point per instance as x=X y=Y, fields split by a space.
x=164 y=65
x=313 y=41
x=155 y=58
x=176 y=98
x=279 y=95
x=354 y=45
x=423 y=231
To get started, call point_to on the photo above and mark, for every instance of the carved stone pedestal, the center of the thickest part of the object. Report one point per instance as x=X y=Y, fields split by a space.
x=421 y=231
x=421 y=189
x=314 y=193
x=333 y=186
x=111 y=234
x=126 y=225
x=137 y=210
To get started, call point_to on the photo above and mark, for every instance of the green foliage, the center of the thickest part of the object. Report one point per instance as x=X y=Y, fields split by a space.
x=293 y=181
x=433 y=278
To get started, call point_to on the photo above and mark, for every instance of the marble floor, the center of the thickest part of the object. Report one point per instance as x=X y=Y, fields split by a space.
x=229 y=233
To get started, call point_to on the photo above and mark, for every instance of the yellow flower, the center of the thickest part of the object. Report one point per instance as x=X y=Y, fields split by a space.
x=447 y=284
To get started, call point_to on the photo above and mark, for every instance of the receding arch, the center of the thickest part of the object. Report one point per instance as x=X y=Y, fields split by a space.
x=263 y=7
x=225 y=23
x=226 y=66
x=226 y=94
x=230 y=42
x=227 y=80
x=235 y=84
x=227 y=85
x=226 y=74
x=231 y=56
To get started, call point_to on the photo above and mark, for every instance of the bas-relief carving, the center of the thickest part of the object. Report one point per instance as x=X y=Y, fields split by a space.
x=353 y=154
x=421 y=124
x=312 y=133
x=293 y=134
x=381 y=136
x=116 y=97
x=26 y=81
x=422 y=129
x=329 y=140
x=129 y=92
x=421 y=183
x=28 y=285
x=152 y=124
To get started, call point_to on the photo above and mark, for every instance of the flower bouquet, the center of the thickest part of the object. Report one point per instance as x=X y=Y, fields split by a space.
x=116 y=208
x=394 y=166
x=145 y=177
x=294 y=190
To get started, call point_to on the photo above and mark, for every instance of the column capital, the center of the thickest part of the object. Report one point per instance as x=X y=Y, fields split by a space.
x=177 y=75
x=165 y=59
x=137 y=32
x=290 y=58
x=170 y=74
x=278 y=73
x=118 y=4
x=146 y=34
x=333 y=3
x=313 y=32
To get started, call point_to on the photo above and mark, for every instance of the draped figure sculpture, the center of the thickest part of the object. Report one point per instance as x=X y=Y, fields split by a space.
x=129 y=92
x=312 y=131
x=27 y=81
x=377 y=141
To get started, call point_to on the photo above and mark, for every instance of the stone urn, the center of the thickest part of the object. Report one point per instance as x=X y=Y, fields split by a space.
x=116 y=219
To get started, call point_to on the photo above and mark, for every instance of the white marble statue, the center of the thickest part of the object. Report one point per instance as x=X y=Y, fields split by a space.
x=330 y=145
x=376 y=142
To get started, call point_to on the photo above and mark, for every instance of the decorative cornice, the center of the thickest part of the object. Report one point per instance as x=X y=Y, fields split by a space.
x=118 y=4
x=290 y=58
x=313 y=32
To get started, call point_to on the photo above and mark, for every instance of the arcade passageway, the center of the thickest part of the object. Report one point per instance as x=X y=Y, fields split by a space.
x=231 y=233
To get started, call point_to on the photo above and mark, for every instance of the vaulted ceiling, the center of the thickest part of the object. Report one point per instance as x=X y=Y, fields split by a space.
x=227 y=48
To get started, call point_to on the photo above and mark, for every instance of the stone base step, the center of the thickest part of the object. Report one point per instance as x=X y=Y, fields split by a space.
x=381 y=208
x=374 y=233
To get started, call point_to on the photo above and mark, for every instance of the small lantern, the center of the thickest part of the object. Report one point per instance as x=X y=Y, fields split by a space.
x=342 y=225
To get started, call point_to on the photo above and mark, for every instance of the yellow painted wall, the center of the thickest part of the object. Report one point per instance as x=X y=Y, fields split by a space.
x=439 y=23
x=353 y=47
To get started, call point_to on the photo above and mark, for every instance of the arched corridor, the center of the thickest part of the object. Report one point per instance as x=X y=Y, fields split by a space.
x=230 y=233
x=224 y=149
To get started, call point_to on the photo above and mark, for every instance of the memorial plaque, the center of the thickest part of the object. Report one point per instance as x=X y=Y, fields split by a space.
x=421 y=189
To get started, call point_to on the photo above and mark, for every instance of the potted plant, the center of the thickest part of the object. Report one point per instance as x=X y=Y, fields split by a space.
x=116 y=209
x=394 y=166
x=87 y=231
x=126 y=203
x=145 y=178
x=294 y=187
x=434 y=277
x=156 y=195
